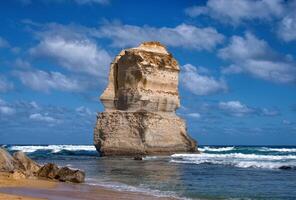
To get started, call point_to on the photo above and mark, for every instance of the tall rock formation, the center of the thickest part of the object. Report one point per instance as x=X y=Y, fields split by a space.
x=140 y=103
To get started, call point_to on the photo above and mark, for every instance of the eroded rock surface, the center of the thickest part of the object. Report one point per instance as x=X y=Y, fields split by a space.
x=21 y=166
x=65 y=174
x=49 y=170
x=25 y=164
x=7 y=162
x=140 y=103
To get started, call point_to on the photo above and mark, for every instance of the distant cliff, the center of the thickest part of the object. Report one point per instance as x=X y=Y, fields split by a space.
x=140 y=103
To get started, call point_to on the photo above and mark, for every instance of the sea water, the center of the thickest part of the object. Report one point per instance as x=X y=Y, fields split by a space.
x=219 y=172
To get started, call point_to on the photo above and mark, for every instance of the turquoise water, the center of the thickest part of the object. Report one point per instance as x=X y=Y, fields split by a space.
x=229 y=172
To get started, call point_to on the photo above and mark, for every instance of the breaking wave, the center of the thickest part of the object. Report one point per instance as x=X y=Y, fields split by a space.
x=216 y=149
x=278 y=149
x=239 y=160
x=55 y=149
x=237 y=156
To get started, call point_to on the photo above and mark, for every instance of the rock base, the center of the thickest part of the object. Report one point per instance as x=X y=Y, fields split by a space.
x=141 y=133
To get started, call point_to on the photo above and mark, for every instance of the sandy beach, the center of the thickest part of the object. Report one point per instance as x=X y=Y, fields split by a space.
x=35 y=189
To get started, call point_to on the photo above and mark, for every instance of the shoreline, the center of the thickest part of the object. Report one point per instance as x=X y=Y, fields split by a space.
x=38 y=189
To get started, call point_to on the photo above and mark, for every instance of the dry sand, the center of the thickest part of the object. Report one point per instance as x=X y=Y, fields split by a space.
x=35 y=189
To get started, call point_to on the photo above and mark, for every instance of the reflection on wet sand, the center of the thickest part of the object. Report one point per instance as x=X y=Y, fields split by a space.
x=156 y=172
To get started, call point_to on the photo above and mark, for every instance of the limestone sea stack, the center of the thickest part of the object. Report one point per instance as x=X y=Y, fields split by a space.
x=140 y=105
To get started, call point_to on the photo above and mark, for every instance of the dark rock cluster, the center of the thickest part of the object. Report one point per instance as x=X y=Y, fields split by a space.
x=63 y=174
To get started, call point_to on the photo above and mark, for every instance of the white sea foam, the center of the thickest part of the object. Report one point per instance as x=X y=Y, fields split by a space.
x=235 y=155
x=161 y=157
x=278 y=149
x=129 y=188
x=53 y=148
x=216 y=149
x=238 y=160
x=264 y=165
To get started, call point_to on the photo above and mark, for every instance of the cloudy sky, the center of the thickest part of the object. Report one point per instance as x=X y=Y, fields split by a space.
x=237 y=58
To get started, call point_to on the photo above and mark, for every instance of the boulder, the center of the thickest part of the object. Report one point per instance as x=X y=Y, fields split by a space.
x=138 y=158
x=65 y=174
x=286 y=167
x=49 y=170
x=140 y=103
x=7 y=162
x=21 y=166
x=25 y=164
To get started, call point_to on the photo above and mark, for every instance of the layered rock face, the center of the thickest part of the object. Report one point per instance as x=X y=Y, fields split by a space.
x=140 y=103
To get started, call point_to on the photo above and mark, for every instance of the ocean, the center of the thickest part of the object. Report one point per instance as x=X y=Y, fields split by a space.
x=219 y=172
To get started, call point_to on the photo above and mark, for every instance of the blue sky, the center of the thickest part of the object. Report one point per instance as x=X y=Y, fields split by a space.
x=237 y=58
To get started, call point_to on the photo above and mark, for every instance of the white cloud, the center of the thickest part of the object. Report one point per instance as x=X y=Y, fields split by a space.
x=43 y=118
x=287 y=28
x=194 y=115
x=200 y=84
x=3 y=43
x=280 y=72
x=70 y=47
x=247 y=47
x=267 y=112
x=255 y=57
x=195 y=11
x=238 y=11
x=21 y=63
x=183 y=35
x=46 y=81
x=2 y=102
x=84 y=111
x=287 y=122
x=75 y=54
x=235 y=108
x=5 y=108
x=5 y=85
x=234 y=11
x=232 y=69
x=34 y=105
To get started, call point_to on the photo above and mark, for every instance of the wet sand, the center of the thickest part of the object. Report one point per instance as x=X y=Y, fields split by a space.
x=14 y=197
x=33 y=189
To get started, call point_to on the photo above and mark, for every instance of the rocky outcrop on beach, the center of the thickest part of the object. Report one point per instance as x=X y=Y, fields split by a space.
x=49 y=170
x=25 y=164
x=6 y=161
x=63 y=174
x=140 y=103
x=21 y=166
